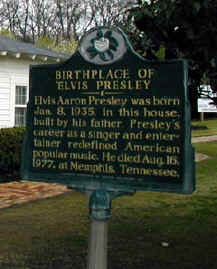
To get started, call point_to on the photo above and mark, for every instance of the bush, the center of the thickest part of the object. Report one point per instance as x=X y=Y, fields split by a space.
x=11 y=140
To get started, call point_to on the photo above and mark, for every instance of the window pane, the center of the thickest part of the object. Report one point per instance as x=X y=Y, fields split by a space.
x=20 y=116
x=21 y=95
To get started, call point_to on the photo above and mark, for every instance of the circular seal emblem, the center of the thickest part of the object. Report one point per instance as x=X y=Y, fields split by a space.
x=103 y=46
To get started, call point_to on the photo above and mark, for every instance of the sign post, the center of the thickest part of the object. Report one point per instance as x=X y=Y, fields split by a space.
x=108 y=122
x=100 y=211
x=97 y=250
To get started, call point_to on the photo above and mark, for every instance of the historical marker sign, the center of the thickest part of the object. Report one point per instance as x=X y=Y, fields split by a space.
x=108 y=118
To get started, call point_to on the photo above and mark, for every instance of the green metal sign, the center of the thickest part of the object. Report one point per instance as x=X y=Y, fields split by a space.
x=109 y=119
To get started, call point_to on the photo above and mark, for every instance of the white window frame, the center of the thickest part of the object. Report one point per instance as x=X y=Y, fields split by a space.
x=18 y=81
x=20 y=106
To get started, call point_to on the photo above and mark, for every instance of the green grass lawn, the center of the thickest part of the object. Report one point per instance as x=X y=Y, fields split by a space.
x=53 y=233
x=211 y=127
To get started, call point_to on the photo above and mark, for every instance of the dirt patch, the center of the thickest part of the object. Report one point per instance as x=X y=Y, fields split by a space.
x=200 y=157
x=210 y=138
x=19 y=192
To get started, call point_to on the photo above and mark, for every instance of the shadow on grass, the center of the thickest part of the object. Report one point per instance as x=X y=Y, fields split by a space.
x=133 y=243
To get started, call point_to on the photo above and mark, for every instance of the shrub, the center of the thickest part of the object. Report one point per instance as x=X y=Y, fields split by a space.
x=11 y=140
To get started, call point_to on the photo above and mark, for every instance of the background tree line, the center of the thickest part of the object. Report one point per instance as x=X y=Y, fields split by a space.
x=182 y=29
x=167 y=29
x=58 y=23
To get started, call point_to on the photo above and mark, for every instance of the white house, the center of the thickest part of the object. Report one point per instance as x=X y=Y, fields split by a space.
x=15 y=59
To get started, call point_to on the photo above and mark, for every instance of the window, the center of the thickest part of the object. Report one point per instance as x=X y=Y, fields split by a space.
x=20 y=105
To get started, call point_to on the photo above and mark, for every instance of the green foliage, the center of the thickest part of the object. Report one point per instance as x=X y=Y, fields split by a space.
x=45 y=42
x=160 y=53
x=67 y=46
x=10 y=150
x=62 y=46
x=7 y=33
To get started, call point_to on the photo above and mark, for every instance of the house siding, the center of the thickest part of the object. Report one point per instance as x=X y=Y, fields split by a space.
x=12 y=72
x=5 y=100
